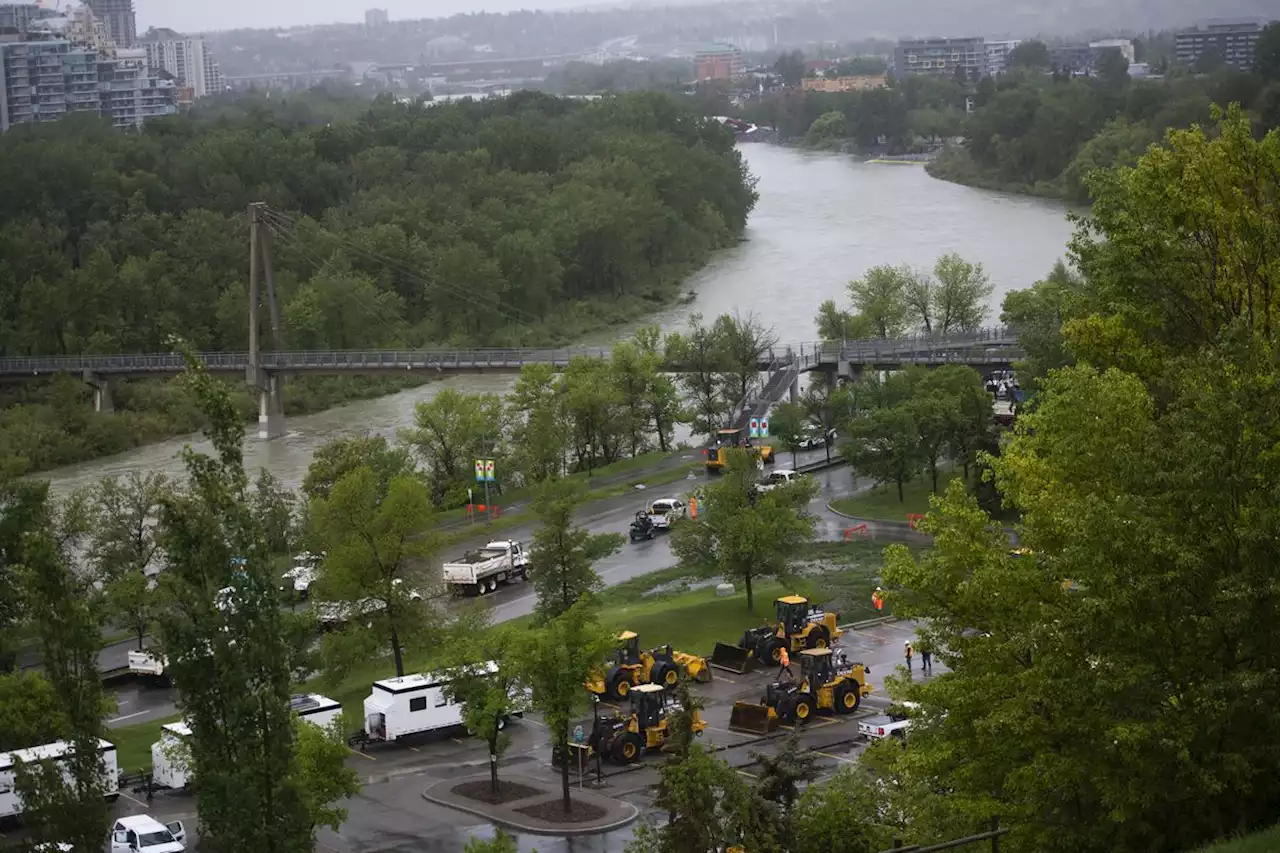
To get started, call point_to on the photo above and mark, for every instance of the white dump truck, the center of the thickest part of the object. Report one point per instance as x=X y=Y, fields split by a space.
x=11 y=802
x=144 y=664
x=411 y=705
x=334 y=614
x=170 y=756
x=481 y=571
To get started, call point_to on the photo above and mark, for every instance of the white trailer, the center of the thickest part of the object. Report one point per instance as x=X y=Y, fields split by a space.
x=143 y=663
x=413 y=704
x=171 y=755
x=11 y=802
x=481 y=571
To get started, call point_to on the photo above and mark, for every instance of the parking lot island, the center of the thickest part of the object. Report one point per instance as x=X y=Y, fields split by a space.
x=536 y=809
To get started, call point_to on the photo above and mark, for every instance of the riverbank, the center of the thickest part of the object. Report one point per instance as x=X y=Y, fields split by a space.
x=955 y=165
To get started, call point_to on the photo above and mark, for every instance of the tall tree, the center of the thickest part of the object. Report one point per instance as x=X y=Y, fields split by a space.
x=1039 y=312
x=338 y=457
x=274 y=505
x=960 y=298
x=372 y=542
x=324 y=775
x=700 y=356
x=24 y=512
x=226 y=642
x=30 y=711
x=1266 y=52
x=885 y=445
x=539 y=438
x=123 y=536
x=746 y=535
x=789 y=425
x=554 y=660
x=66 y=808
x=590 y=401
x=745 y=343
x=631 y=374
x=132 y=602
x=487 y=698
x=1029 y=54
x=879 y=297
x=790 y=67
x=662 y=396
x=707 y=804
x=562 y=553
x=840 y=814
x=452 y=430
x=836 y=325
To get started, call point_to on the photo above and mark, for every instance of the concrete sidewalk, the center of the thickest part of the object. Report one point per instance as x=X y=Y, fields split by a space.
x=616 y=813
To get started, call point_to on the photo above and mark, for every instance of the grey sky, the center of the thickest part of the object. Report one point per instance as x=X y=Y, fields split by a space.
x=197 y=15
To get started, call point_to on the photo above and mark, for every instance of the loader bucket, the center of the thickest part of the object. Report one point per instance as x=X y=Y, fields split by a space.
x=696 y=667
x=731 y=658
x=752 y=719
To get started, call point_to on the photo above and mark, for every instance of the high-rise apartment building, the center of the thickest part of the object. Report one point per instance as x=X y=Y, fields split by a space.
x=1234 y=42
x=998 y=55
x=718 y=62
x=45 y=80
x=376 y=18
x=188 y=60
x=941 y=56
x=119 y=19
x=130 y=92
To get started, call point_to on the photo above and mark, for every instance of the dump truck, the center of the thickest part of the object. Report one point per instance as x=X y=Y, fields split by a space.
x=624 y=738
x=798 y=626
x=481 y=571
x=632 y=666
x=824 y=685
x=716 y=454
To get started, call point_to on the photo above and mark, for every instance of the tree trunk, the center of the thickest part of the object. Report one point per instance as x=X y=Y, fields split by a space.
x=794 y=464
x=933 y=474
x=563 y=737
x=493 y=755
x=827 y=445
x=750 y=595
x=142 y=632
x=901 y=499
x=395 y=650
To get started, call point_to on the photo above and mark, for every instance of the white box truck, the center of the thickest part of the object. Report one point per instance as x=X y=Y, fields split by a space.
x=481 y=571
x=171 y=755
x=411 y=705
x=11 y=802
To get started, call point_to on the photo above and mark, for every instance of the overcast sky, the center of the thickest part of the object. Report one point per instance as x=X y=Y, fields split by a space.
x=197 y=15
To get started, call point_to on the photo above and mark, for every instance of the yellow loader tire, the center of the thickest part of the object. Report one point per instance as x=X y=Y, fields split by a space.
x=847 y=698
x=805 y=707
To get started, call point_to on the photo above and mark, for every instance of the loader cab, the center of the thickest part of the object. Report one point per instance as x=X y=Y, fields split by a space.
x=647 y=702
x=816 y=667
x=629 y=649
x=792 y=613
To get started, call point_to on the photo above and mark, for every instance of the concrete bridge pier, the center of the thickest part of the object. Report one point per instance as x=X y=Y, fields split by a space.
x=103 y=398
x=793 y=392
x=270 y=402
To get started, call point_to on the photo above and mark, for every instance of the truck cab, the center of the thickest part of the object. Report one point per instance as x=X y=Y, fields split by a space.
x=144 y=834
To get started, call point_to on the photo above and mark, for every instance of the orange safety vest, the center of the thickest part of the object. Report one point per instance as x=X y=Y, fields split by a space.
x=877 y=600
x=784 y=658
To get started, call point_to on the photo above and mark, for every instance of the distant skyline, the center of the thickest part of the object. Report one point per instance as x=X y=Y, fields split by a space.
x=193 y=16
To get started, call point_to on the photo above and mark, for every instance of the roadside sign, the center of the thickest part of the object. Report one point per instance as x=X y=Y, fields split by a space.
x=764 y=427
x=479 y=470
x=488 y=470
x=755 y=427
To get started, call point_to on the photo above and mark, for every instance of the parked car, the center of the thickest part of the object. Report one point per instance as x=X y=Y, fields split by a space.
x=781 y=477
x=816 y=439
x=664 y=511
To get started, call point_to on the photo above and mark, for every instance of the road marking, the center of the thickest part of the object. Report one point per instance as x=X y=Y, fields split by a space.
x=726 y=680
x=414 y=749
x=836 y=757
x=134 y=799
x=458 y=742
x=127 y=717
x=745 y=773
x=361 y=754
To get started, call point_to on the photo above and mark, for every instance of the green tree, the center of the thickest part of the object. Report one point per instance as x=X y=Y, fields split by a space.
x=591 y=405
x=840 y=814
x=836 y=325
x=707 y=804
x=1039 y=313
x=879 y=296
x=1112 y=68
x=885 y=445
x=340 y=456
x=1029 y=54
x=745 y=342
x=323 y=773
x=700 y=355
x=371 y=542
x=30 y=711
x=562 y=554
x=662 y=397
x=960 y=295
x=779 y=781
x=789 y=425
x=274 y=504
x=631 y=376
x=919 y=294
x=554 y=660
x=132 y=602
x=822 y=406
x=538 y=432
x=488 y=699
x=500 y=843
x=65 y=802
x=746 y=535
x=452 y=430
x=1266 y=52
x=24 y=503
x=122 y=538
x=790 y=67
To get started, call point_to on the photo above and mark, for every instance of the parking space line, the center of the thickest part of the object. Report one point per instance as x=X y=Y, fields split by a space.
x=836 y=757
x=126 y=717
x=414 y=749
x=361 y=754
x=725 y=680
x=134 y=799
x=745 y=773
x=458 y=742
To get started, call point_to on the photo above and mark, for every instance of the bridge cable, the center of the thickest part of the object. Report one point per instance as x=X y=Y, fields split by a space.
x=498 y=307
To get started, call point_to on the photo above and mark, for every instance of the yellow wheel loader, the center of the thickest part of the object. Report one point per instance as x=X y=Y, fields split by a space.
x=825 y=684
x=632 y=667
x=624 y=738
x=799 y=626
x=716 y=454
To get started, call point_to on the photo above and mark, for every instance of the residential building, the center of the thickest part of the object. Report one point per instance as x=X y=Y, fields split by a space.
x=119 y=19
x=941 y=56
x=188 y=60
x=717 y=62
x=1125 y=46
x=1235 y=42
x=131 y=92
x=1075 y=59
x=44 y=80
x=855 y=83
x=998 y=55
x=18 y=17
x=376 y=18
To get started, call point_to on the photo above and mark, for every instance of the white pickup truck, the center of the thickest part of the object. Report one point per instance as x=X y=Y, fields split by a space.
x=780 y=477
x=481 y=571
x=883 y=726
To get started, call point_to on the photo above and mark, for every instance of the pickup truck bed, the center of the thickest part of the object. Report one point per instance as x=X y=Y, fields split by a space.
x=883 y=726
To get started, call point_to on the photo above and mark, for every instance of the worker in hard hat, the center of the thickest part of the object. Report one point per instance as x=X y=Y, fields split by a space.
x=907 y=651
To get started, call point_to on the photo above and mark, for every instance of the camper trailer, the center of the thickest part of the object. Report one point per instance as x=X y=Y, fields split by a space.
x=413 y=704
x=11 y=803
x=316 y=709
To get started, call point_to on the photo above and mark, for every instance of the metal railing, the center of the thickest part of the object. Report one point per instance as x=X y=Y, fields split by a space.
x=997 y=345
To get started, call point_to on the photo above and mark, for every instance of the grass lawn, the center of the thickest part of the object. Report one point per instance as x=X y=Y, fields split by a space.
x=1266 y=841
x=881 y=503
x=659 y=606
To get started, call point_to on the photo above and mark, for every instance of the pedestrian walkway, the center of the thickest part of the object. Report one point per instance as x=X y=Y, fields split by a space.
x=515 y=814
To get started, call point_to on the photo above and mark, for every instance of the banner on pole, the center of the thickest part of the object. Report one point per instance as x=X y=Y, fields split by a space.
x=479 y=470
x=755 y=427
x=488 y=470
x=764 y=427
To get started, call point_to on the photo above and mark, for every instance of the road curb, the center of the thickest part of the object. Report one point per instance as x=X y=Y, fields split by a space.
x=869 y=623
x=901 y=525
x=550 y=829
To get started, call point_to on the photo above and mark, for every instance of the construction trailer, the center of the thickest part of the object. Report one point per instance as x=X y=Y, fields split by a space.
x=11 y=802
x=412 y=705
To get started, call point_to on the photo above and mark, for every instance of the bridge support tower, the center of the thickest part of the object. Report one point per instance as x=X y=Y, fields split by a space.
x=793 y=393
x=270 y=383
x=103 y=396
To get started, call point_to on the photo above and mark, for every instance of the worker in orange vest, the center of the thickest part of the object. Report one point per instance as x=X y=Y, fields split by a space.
x=785 y=660
x=877 y=599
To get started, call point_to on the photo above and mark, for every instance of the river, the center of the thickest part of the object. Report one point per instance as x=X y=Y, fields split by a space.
x=822 y=219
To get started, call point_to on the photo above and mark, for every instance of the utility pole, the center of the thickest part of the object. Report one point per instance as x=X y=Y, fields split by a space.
x=270 y=383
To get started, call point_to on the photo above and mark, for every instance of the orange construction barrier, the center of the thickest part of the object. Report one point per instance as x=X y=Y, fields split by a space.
x=859 y=530
x=693 y=507
x=914 y=519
